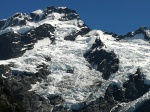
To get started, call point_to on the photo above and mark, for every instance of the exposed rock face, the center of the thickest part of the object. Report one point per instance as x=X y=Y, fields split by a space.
x=16 y=97
x=142 y=30
x=15 y=20
x=10 y=46
x=42 y=31
x=8 y=101
x=106 y=62
x=14 y=45
x=73 y=36
x=2 y=22
x=63 y=25
x=5 y=70
x=131 y=90
x=69 y=13
x=135 y=87
x=100 y=105
x=22 y=18
x=114 y=95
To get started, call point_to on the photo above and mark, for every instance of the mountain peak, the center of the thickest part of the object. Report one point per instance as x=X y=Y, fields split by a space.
x=51 y=60
x=51 y=12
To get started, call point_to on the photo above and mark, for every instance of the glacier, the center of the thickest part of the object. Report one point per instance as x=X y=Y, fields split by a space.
x=79 y=86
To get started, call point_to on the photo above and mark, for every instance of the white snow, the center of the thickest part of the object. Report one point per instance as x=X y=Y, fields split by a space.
x=4 y=76
x=17 y=29
x=132 y=52
x=148 y=32
x=39 y=12
x=52 y=19
x=62 y=7
x=75 y=88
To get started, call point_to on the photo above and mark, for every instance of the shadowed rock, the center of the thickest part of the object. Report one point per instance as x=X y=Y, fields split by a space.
x=145 y=107
x=13 y=45
x=106 y=62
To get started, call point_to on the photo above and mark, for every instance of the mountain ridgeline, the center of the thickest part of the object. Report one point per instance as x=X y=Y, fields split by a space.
x=51 y=61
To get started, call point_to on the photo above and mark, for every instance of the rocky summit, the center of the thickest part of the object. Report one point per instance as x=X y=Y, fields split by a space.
x=51 y=61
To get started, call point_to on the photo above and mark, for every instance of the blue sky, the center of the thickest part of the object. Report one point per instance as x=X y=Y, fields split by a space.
x=119 y=16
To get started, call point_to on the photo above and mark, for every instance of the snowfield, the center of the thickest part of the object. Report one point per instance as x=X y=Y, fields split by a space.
x=73 y=88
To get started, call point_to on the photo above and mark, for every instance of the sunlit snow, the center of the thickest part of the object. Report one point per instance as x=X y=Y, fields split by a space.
x=75 y=88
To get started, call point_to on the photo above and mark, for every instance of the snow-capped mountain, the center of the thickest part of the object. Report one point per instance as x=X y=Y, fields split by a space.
x=51 y=61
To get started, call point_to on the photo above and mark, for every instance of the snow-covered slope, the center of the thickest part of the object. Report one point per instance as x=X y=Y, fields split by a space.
x=61 y=57
x=133 y=53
